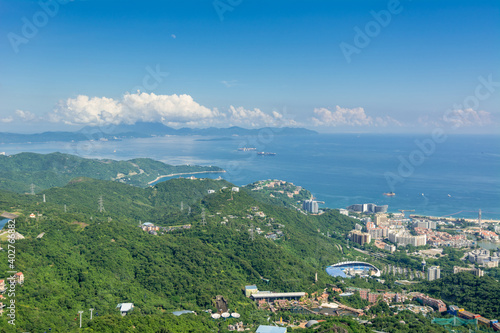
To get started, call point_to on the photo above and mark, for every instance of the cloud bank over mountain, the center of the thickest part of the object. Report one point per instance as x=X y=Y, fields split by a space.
x=172 y=110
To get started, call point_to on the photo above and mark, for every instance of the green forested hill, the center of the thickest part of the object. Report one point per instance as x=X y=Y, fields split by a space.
x=18 y=172
x=92 y=259
x=479 y=295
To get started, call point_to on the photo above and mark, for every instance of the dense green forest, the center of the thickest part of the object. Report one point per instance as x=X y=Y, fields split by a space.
x=83 y=249
x=89 y=258
x=18 y=172
x=479 y=295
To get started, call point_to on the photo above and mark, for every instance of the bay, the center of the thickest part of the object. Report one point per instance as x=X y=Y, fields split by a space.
x=456 y=177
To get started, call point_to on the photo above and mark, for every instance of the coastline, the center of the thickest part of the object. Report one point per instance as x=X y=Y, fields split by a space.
x=182 y=174
x=451 y=219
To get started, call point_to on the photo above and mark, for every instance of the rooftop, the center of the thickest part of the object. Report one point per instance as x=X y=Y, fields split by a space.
x=266 y=294
x=270 y=329
x=125 y=307
x=181 y=312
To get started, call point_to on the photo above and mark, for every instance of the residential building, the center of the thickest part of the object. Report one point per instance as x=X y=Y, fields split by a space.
x=425 y=224
x=475 y=271
x=368 y=208
x=483 y=257
x=435 y=303
x=310 y=206
x=374 y=297
x=390 y=248
x=441 y=239
x=378 y=233
x=343 y=211
x=403 y=238
x=381 y=219
x=19 y=277
x=363 y=292
x=360 y=237
x=433 y=273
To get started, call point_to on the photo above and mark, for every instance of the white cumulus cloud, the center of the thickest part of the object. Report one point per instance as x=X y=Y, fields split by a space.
x=467 y=117
x=171 y=110
x=239 y=116
x=130 y=109
x=26 y=115
x=349 y=117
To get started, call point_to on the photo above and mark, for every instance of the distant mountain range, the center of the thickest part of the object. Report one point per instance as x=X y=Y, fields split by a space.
x=144 y=130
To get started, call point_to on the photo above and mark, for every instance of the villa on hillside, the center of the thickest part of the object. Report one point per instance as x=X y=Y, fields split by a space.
x=125 y=308
x=20 y=277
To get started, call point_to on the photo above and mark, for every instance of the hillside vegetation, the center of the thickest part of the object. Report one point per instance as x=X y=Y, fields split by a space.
x=91 y=258
x=18 y=172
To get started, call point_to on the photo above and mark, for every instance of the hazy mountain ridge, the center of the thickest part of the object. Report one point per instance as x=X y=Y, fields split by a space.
x=143 y=130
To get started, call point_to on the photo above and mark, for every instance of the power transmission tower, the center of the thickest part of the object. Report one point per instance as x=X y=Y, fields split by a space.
x=32 y=188
x=182 y=206
x=189 y=210
x=252 y=236
x=101 y=205
x=203 y=221
x=65 y=210
x=44 y=198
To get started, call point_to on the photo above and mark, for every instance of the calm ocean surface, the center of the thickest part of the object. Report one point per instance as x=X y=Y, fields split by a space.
x=459 y=176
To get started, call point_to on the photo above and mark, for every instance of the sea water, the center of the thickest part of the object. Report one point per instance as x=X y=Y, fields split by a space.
x=454 y=177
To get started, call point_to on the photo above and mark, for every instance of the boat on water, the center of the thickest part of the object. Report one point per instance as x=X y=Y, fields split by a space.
x=247 y=149
x=390 y=194
x=263 y=153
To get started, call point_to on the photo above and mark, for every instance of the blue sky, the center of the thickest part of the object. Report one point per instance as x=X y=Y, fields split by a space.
x=427 y=64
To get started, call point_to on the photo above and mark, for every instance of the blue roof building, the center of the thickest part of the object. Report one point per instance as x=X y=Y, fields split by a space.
x=270 y=329
x=249 y=290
